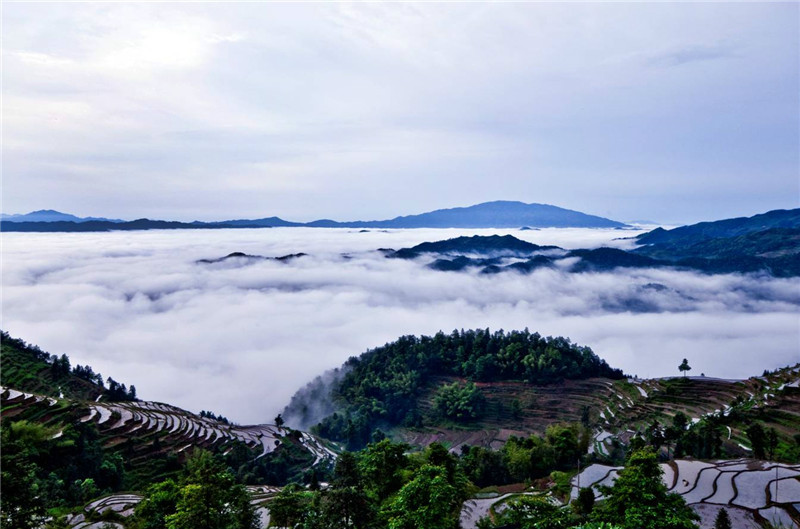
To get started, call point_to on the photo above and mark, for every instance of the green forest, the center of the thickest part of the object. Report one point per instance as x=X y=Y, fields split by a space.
x=381 y=388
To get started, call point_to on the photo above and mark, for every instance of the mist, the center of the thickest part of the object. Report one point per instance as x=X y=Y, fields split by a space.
x=239 y=337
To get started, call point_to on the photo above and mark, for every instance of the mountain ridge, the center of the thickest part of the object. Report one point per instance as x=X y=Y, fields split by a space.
x=494 y=214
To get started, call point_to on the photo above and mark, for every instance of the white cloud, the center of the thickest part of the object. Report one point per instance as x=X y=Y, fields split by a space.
x=239 y=339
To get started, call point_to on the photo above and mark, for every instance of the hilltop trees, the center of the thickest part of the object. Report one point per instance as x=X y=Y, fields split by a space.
x=382 y=387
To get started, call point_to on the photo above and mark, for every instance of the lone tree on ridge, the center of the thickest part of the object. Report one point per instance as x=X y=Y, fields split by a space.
x=684 y=367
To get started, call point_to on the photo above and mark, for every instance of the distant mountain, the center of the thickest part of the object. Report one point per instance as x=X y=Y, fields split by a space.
x=775 y=251
x=268 y=222
x=694 y=233
x=769 y=242
x=102 y=225
x=497 y=214
x=50 y=215
x=494 y=245
x=247 y=257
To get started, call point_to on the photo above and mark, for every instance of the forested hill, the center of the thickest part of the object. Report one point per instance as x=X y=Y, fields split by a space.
x=26 y=367
x=382 y=388
x=686 y=236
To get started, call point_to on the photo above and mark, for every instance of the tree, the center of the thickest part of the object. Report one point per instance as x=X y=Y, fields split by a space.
x=771 y=442
x=279 y=421
x=158 y=503
x=381 y=465
x=207 y=498
x=291 y=506
x=22 y=506
x=462 y=403
x=527 y=512
x=640 y=500
x=584 y=503
x=684 y=367
x=722 y=521
x=346 y=504
x=428 y=501
x=758 y=438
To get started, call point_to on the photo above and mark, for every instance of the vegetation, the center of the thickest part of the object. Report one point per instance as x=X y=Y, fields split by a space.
x=382 y=387
x=381 y=486
x=205 y=497
x=722 y=521
x=460 y=402
x=27 y=367
x=53 y=463
x=526 y=459
x=684 y=367
x=639 y=498
x=42 y=470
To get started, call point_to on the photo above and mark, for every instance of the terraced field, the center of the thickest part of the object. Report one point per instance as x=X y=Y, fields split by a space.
x=617 y=409
x=156 y=427
x=752 y=491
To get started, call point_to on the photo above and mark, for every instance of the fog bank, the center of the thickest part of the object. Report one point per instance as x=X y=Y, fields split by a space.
x=240 y=336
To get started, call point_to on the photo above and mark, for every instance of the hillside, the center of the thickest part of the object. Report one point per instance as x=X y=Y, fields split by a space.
x=538 y=402
x=387 y=386
x=27 y=368
x=152 y=437
x=474 y=388
x=685 y=236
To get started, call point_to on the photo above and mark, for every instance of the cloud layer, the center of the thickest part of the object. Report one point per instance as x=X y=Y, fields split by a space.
x=239 y=337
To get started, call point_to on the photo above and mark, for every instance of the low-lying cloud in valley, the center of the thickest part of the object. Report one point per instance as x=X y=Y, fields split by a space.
x=238 y=337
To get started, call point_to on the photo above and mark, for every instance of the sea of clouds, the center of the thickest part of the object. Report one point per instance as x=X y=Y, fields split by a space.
x=239 y=337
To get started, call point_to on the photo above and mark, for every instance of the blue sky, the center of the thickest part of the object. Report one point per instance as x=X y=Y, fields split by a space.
x=675 y=112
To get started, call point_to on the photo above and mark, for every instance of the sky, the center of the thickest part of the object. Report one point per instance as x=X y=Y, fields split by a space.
x=669 y=112
x=240 y=337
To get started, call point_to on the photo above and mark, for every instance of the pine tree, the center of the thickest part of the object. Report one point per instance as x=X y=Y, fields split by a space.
x=722 y=521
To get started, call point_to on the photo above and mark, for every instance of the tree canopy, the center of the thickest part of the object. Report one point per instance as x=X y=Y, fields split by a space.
x=382 y=386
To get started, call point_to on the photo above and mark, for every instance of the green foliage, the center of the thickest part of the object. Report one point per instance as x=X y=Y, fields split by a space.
x=26 y=367
x=459 y=402
x=380 y=486
x=382 y=464
x=64 y=470
x=758 y=440
x=283 y=465
x=723 y=520
x=381 y=388
x=532 y=512
x=640 y=500
x=23 y=505
x=207 y=497
x=160 y=500
x=684 y=367
x=294 y=507
x=347 y=504
x=428 y=500
x=584 y=503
